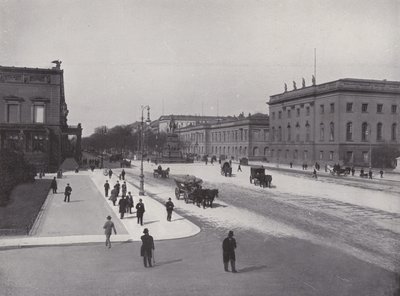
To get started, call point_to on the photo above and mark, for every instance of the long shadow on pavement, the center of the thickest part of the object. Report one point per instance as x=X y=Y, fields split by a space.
x=168 y=262
x=252 y=268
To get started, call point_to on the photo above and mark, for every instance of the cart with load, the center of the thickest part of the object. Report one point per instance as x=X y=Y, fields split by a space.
x=185 y=187
x=226 y=169
x=258 y=176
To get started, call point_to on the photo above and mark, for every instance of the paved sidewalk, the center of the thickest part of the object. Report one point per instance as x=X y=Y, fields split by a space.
x=81 y=220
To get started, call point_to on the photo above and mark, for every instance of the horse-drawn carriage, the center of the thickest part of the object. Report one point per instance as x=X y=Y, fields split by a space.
x=339 y=171
x=226 y=169
x=258 y=177
x=191 y=189
x=160 y=173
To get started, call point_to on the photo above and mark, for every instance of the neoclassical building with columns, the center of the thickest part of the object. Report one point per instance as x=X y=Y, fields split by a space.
x=334 y=122
x=235 y=137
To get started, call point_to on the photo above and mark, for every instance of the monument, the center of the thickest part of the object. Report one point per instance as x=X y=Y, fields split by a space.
x=171 y=151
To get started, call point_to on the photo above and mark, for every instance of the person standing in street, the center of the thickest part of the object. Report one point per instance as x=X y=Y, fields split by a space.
x=146 y=251
x=106 y=188
x=54 y=185
x=110 y=172
x=170 y=207
x=123 y=189
x=123 y=174
x=108 y=227
x=117 y=187
x=370 y=173
x=381 y=173
x=140 y=211
x=239 y=168
x=113 y=196
x=67 y=193
x=122 y=206
x=228 y=252
x=129 y=199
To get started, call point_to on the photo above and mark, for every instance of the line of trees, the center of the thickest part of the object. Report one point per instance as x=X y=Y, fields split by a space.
x=124 y=139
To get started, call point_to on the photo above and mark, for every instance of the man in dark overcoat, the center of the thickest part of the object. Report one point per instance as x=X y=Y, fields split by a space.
x=170 y=207
x=123 y=174
x=67 y=193
x=140 y=211
x=110 y=172
x=54 y=185
x=228 y=251
x=122 y=206
x=106 y=188
x=117 y=187
x=146 y=251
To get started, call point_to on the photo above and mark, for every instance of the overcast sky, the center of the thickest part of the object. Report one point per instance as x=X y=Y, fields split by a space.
x=196 y=57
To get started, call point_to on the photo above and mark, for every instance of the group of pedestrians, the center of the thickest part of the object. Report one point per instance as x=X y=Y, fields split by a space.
x=67 y=190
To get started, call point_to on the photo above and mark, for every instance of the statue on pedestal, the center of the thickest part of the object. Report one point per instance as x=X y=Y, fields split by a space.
x=285 y=87
x=294 y=85
x=303 y=83
x=313 y=80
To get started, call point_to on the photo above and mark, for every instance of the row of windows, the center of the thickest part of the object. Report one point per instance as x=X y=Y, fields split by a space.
x=365 y=106
x=13 y=113
x=31 y=142
x=236 y=135
x=349 y=108
x=218 y=150
x=366 y=131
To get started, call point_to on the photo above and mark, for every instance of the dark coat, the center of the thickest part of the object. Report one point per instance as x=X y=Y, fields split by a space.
x=140 y=208
x=228 y=249
x=106 y=186
x=147 y=245
x=53 y=184
x=122 y=205
x=169 y=205
x=68 y=190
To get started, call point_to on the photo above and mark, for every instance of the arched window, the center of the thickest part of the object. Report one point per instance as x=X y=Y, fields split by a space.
x=255 y=151
x=321 y=132
x=364 y=132
x=379 y=128
x=394 y=132
x=279 y=134
x=331 y=131
x=307 y=131
x=297 y=132
x=349 y=131
x=289 y=133
x=266 y=151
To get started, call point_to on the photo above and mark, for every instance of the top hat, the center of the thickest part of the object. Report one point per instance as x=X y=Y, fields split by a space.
x=145 y=230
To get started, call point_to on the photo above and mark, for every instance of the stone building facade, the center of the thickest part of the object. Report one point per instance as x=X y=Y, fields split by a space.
x=335 y=122
x=181 y=121
x=33 y=116
x=234 y=138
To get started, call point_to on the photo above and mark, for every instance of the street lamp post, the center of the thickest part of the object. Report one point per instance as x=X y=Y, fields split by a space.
x=141 y=187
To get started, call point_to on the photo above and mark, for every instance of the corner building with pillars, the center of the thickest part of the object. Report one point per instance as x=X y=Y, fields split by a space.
x=33 y=116
x=334 y=122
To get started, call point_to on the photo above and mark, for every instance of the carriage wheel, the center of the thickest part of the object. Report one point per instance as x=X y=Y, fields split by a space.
x=177 y=194
x=186 y=197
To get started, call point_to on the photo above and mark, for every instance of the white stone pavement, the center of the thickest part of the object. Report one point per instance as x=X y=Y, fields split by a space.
x=154 y=219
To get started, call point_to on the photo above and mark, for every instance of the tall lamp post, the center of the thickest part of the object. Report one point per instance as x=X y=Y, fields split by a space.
x=147 y=107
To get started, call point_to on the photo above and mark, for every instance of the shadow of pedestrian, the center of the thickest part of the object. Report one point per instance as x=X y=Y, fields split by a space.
x=78 y=200
x=168 y=262
x=252 y=268
x=150 y=222
x=178 y=219
x=217 y=205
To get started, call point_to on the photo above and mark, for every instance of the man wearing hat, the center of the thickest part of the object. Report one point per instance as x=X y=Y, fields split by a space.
x=67 y=192
x=140 y=211
x=108 y=227
x=146 y=251
x=170 y=207
x=228 y=251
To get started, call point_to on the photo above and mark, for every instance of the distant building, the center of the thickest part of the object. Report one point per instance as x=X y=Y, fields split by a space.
x=334 y=122
x=33 y=116
x=182 y=121
x=234 y=138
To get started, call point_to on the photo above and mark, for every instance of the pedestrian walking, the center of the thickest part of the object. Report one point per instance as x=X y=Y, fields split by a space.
x=122 y=206
x=129 y=199
x=291 y=164
x=228 y=251
x=140 y=211
x=110 y=173
x=67 y=193
x=239 y=168
x=370 y=174
x=315 y=174
x=123 y=189
x=117 y=187
x=113 y=196
x=146 y=251
x=54 y=185
x=170 y=207
x=106 y=188
x=123 y=174
x=108 y=227
x=353 y=170
x=381 y=173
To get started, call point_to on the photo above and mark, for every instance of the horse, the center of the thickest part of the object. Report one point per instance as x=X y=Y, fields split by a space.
x=211 y=194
